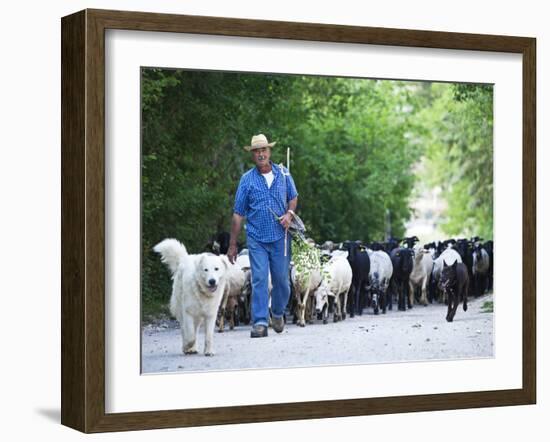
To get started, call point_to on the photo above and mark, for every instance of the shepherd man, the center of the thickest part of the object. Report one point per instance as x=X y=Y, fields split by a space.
x=267 y=198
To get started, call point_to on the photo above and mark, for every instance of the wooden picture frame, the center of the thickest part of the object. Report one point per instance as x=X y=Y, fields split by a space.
x=83 y=220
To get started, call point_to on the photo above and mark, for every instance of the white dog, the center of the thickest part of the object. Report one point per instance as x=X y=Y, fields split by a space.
x=199 y=283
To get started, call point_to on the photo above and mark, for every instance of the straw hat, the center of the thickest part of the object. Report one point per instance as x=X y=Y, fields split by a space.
x=258 y=142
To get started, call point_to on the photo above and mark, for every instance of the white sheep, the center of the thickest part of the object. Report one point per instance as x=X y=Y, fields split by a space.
x=420 y=275
x=337 y=277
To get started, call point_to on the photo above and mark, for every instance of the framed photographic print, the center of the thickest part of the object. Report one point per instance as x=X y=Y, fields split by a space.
x=268 y=221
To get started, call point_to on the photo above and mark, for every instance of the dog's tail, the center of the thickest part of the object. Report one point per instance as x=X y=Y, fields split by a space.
x=172 y=253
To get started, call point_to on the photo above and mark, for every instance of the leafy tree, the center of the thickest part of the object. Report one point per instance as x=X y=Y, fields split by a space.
x=459 y=140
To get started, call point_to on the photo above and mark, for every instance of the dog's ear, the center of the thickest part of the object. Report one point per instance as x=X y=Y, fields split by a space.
x=226 y=263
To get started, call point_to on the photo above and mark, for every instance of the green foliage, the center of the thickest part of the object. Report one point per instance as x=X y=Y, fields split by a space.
x=353 y=159
x=306 y=259
x=459 y=148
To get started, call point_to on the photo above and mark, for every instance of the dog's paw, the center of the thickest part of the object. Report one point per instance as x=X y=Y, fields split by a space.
x=191 y=351
x=210 y=353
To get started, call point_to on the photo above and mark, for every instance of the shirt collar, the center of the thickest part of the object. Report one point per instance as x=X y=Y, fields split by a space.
x=274 y=169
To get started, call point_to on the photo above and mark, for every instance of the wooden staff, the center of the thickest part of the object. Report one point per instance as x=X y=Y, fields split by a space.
x=288 y=169
x=288 y=159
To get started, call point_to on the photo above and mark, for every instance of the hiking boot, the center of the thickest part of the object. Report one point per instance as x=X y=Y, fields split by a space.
x=258 y=331
x=278 y=324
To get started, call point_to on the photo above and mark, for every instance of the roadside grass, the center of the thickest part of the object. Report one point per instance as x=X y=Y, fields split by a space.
x=487 y=307
x=153 y=311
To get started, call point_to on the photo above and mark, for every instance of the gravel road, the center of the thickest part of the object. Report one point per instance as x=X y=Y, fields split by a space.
x=420 y=333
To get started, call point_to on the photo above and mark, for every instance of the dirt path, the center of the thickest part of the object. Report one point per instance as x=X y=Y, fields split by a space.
x=417 y=334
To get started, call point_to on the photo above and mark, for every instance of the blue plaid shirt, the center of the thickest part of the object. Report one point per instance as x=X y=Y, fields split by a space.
x=254 y=201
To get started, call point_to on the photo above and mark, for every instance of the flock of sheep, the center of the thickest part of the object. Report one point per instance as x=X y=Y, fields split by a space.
x=346 y=278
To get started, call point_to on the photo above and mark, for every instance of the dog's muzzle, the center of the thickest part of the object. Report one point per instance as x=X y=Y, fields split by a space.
x=212 y=286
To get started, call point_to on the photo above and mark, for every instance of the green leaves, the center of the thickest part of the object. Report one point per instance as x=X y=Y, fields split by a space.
x=306 y=258
x=459 y=141
x=358 y=159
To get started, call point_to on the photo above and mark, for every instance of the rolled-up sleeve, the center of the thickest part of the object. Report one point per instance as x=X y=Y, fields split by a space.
x=241 y=198
x=291 y=191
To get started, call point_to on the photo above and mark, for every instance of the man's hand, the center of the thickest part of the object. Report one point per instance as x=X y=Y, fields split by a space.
x=286 y=220
x=235 y=229
x=232 y=253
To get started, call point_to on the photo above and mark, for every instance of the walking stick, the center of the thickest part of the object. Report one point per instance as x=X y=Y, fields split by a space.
x=288 y=169
x=295 y=218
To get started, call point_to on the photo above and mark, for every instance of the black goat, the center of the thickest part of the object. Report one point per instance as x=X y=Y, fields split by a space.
x=402 y=261
x=360 y=266
x=454 y=282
